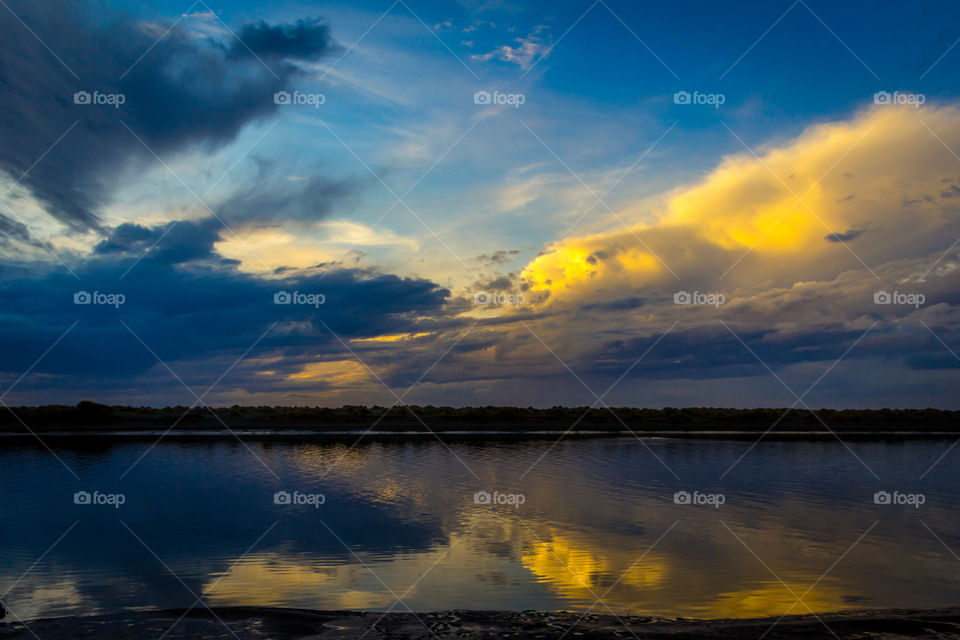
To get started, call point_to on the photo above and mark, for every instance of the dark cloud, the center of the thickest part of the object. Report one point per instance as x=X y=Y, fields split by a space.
x=952 y=192
x=624 y=304
x=713 y=352
x=306 y=39
x=175 y=242
x=13 y=232
x=499 y=282
x=846 y=236
x=191 y=306
x=500 y=256
x=179 y=90
x=272 y=197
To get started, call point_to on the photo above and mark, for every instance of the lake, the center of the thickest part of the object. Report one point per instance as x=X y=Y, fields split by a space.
x=673 y=527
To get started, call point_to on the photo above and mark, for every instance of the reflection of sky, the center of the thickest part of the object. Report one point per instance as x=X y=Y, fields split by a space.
x=593 y=509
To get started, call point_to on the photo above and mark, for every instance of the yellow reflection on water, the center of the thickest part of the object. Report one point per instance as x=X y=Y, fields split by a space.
x=45 y=598
x=582 y=567
x=274 y=580
x=520 y=557
x=575 y=571
x=574 y=568
x=773 y=600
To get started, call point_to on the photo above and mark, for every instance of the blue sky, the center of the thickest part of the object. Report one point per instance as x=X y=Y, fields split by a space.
x=790 y=191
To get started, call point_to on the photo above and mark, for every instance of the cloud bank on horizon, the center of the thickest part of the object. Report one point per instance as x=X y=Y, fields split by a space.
x=301 y=208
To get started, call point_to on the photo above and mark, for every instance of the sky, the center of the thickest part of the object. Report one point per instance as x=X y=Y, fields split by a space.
x=480 y=202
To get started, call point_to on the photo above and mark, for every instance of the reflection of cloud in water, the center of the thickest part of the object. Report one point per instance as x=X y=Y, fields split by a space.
x=583 y=536
x=593 y=508
x=774 y=599
x=578 y=572
x=389 y=475
x=574 y=567
x=442 y=577
x=48 y=598
x=270 y=579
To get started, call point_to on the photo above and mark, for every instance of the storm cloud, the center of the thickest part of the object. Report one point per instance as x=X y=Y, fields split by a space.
x=179 y=89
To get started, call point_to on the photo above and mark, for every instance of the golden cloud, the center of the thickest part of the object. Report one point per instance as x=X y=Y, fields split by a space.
x=871 y=189
x=336 y=373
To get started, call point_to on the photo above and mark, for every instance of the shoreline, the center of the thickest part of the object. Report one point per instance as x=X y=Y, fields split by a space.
x=326 y=434
x=289 y=624
x=89 y=419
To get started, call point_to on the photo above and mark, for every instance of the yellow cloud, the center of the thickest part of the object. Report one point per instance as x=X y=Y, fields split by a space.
x=392 y=337
x=881 y=174
x=337 y=373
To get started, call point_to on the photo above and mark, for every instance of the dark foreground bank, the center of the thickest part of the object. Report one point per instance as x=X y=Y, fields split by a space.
x=286 y=624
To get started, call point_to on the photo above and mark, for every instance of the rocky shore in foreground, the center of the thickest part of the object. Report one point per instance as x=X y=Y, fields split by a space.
x=245 y=623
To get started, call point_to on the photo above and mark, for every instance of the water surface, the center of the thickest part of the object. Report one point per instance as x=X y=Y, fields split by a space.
x=400 y=527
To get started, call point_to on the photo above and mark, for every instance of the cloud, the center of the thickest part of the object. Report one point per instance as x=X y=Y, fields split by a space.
x=743 y=225
x=306 y=39
x=846 y=236
x=179 y=91
x=13 y=232
x=293 y=245
x=500 y=256
x=277 y=198
x=193 y=307
x=175 y=242
x=524 y=53
x=794 y=286
x=952 y=192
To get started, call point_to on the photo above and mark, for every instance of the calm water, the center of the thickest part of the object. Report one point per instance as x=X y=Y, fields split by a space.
x=598 y=520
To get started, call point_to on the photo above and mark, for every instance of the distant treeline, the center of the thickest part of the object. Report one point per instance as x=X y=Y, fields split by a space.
x=89 y=416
